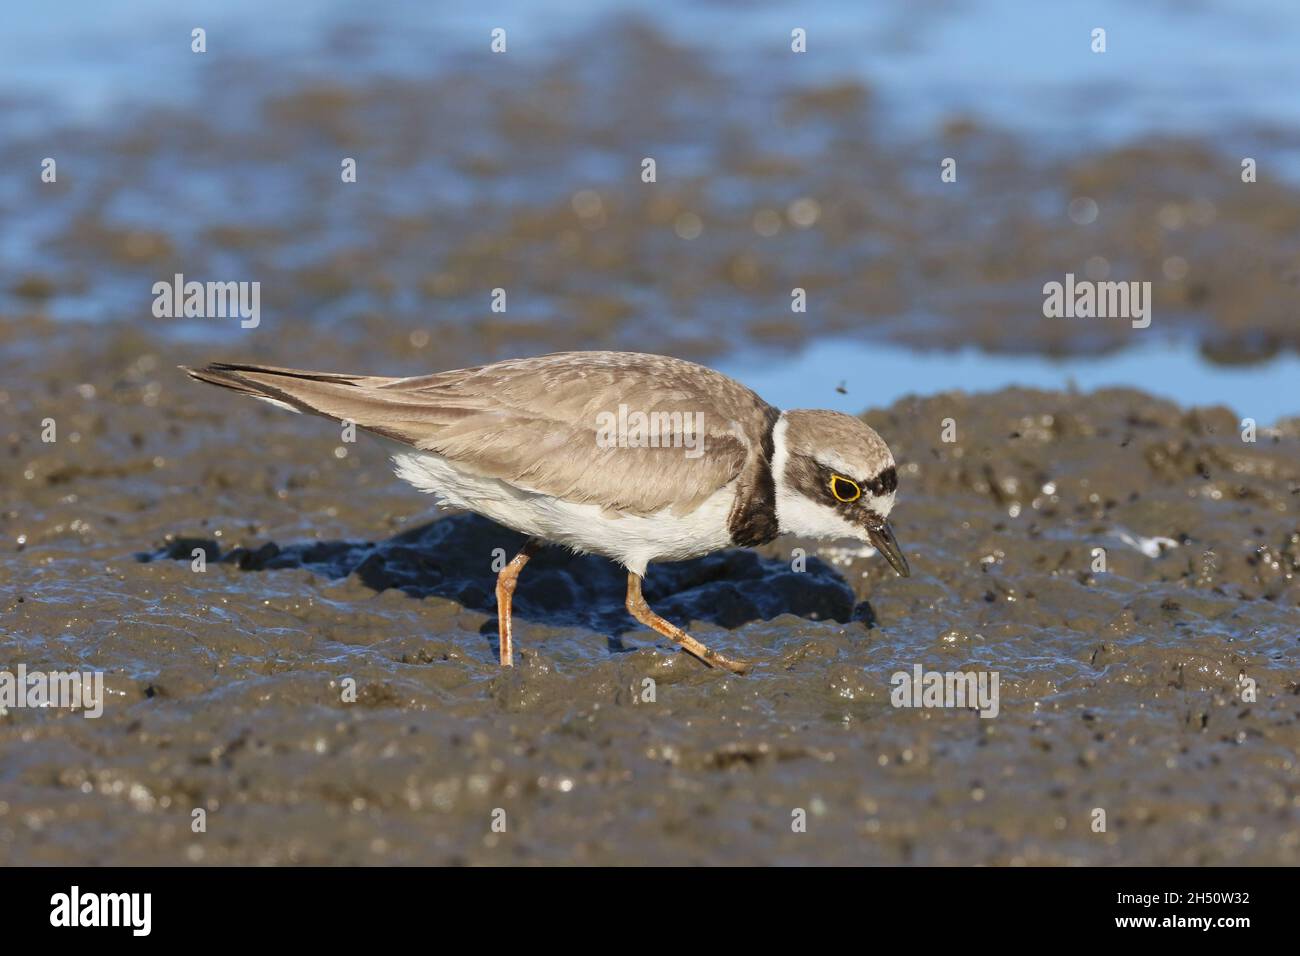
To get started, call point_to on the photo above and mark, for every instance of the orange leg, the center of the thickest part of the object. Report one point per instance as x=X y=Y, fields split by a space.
x=505 y=591
x=637 y=607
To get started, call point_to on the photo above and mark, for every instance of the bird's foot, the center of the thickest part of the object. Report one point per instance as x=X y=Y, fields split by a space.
x=638 y=608
x=714 y=659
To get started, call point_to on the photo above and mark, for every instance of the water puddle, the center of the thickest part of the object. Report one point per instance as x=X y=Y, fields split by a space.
x=850 y=375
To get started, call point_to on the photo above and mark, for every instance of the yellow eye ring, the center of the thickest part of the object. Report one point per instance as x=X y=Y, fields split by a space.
x=845 y=489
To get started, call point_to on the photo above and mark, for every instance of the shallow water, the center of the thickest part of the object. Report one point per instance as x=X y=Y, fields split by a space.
x=1169 y=67
x=844 y=374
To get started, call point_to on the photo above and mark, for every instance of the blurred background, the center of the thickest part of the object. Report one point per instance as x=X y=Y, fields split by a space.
x=775 y=170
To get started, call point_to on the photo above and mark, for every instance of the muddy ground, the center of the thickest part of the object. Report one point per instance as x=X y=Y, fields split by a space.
x=1121 y=690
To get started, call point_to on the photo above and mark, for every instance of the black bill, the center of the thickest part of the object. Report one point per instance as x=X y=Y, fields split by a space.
x=883 y=540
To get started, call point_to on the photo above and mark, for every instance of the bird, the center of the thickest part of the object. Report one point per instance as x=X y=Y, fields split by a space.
x=632 y=456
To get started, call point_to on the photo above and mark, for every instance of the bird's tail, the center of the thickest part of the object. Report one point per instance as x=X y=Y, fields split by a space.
x=354 y=398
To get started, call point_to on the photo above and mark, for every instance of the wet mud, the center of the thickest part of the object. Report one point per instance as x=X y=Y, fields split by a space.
x=1120 y=690
x=326 y=687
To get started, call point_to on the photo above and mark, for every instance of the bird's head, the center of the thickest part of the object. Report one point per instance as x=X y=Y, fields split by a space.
x=835 y=478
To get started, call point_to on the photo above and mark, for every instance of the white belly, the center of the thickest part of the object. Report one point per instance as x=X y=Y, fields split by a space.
x=632 y=540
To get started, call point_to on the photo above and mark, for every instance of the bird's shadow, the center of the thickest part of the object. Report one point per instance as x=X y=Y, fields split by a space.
x=457 y=557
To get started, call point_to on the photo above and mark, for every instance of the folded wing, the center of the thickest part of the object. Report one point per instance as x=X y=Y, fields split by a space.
x=551 y=424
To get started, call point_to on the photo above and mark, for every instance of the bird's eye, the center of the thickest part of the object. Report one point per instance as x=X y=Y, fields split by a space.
x=845 y=489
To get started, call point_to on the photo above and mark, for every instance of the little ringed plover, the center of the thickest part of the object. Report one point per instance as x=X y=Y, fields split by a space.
x=635 y=457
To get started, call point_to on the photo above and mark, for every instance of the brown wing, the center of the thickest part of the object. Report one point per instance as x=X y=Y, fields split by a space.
x=544 y=424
